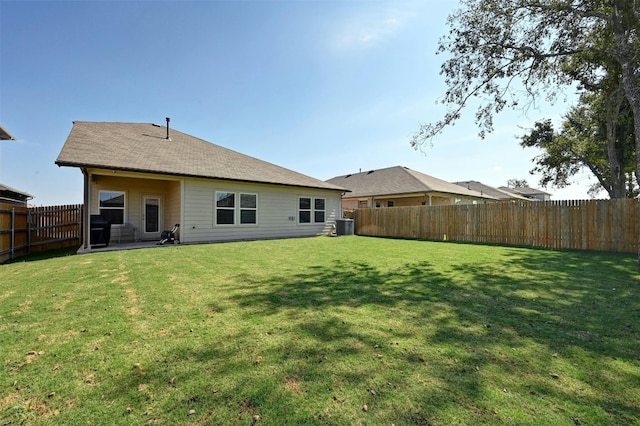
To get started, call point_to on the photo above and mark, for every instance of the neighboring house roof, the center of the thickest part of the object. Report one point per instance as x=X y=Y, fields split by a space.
x=490 y=190
x=8 y=193
x=5 y=135
x=525 y=191
x=399 y=180
x=144 y=147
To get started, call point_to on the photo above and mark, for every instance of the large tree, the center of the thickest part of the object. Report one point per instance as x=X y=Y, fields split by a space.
x=597 y=134
x=508 y=53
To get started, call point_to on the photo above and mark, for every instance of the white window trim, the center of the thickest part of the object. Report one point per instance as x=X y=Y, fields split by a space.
x=123 y=208
x=216 y=208
x=237 y=209
x=312 y=210
x=240 y=209
x=324 y=211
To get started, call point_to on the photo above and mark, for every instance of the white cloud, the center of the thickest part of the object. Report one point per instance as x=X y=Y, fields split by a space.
x=372 y=26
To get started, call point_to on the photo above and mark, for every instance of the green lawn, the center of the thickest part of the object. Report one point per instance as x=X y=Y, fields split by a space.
x=348 y=330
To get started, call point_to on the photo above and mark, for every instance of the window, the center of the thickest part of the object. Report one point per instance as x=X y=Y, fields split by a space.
x=248 y=209
x=112 y=206
x=304 y=210
x=228 y=211
x=309 y=208
x=390 y=204
x=318 y=210
x=225 y=208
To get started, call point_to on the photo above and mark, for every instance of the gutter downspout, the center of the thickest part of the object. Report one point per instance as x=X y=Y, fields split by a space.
x=86 y=240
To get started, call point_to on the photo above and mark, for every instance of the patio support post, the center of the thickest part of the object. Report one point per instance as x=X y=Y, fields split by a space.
x=86 y=243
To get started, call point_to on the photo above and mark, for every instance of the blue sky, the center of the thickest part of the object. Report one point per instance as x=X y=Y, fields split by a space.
x=325 y=88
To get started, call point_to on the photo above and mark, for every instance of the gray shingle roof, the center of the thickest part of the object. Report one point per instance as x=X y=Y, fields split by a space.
x=9 y=192
x=490 y=190
x=143 y=147
x=524 y=190
x=398 y=180
x=5 y=135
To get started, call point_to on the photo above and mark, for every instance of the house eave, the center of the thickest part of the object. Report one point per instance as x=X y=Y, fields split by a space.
x=5 y=135
x=417 y=194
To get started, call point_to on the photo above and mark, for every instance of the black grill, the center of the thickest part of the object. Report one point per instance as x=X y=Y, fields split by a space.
x=100 y=230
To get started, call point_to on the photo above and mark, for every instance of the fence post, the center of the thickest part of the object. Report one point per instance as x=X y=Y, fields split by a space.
x=13 y=234
x=28 y=231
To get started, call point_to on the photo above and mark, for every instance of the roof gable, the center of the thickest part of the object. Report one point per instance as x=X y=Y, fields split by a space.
x=144 y=147
x=398 y=180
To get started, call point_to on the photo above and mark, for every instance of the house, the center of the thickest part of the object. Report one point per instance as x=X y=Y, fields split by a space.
x=400 y=186
x=499 y=194
x=528 y=193
x=144 y=178
x=5 y=135
x=10 y=195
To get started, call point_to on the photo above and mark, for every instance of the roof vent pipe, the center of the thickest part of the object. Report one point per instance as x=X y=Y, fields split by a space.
x=168 y=120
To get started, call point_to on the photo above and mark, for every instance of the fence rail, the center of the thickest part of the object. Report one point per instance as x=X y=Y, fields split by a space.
x=25 y=230
x=605 y=225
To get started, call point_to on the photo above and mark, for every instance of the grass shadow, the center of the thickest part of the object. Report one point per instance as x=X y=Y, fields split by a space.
x=559 y=308
x=426 y=336
x=44 y=255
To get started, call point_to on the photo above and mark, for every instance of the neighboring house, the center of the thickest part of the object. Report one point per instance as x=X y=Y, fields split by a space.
x=5 y=135
x=400 y=186
x=144 y=178
x=528 y=193
x=10 y=195
x=499 y=194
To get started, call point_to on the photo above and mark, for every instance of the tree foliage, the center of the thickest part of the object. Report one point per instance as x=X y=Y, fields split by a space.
x=588 y=139
x=511 y=53
x=517 y=183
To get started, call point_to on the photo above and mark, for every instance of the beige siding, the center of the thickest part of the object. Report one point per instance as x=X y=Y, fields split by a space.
x=190 y=202
x=277 y=212
x=349 y=203
x=172 y=204
x=135 y=190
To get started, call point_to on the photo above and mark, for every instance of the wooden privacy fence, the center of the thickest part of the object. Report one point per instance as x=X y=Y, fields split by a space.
x=606 y=225
x=25 y=230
